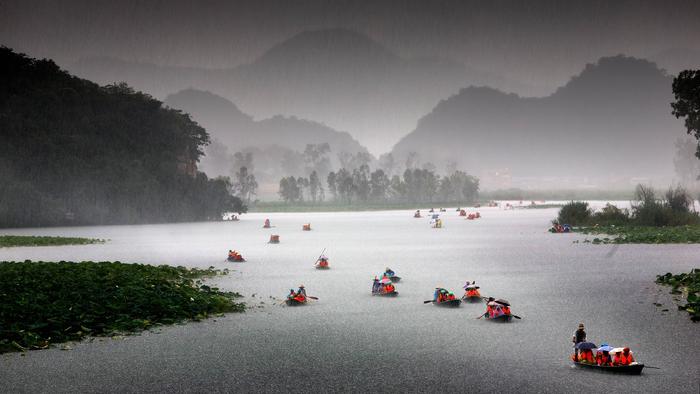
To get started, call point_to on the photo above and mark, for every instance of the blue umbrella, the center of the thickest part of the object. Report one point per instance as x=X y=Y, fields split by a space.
x=585 y=345
x=605 y=348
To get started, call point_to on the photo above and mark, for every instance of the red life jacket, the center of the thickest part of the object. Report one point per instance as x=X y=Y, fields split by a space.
x=626 y=360
x=506 y=310
x=588 y=356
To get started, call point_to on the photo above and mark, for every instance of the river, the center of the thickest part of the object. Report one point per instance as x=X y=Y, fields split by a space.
x=350 y=341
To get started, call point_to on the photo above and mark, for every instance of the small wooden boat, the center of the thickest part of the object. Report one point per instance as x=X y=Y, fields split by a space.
x=472 y=299
x=395 y=278
x=391 y=294
x=323 y=267
x=632 y=369
x=500 y=319
x=306 y=227
x=449 y=303
x=236 y=259
x=274 y=239
x=294 y=302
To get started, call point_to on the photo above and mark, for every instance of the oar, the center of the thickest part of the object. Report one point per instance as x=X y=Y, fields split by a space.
x=649 y=366
x=425 y=302
x=319 y=256
x=312 y=297
x=517 y=317
x=480 y=316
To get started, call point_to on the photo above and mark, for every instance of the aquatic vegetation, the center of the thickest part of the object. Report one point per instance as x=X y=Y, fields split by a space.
x=685 y=284
x=43 y=303
x=628 y=234
x=30 y=240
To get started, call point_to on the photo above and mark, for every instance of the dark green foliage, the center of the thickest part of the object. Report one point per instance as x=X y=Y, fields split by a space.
x=685 y=284
x=42 y=303
x=73 y=152
x=575 y=213
x=611 y=215
x=686 y=91
x=631 y=234
x=647 y=211
x=27 y=240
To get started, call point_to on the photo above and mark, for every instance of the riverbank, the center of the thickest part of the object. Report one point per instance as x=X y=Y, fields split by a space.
x=45 y=303
x=687 y=285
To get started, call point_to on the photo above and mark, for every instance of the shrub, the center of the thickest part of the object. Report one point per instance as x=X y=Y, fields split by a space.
x=575 y=213
x=611 y=214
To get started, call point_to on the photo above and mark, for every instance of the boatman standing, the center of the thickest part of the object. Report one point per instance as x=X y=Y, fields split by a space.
x=579 y=336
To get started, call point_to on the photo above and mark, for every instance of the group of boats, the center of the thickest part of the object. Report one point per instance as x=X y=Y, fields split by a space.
x=497 y=310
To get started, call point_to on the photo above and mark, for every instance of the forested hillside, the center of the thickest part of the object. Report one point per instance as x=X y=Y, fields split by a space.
x=74 y=152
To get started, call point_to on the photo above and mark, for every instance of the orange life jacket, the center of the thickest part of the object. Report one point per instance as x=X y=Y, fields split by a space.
x=506 y=310
x=626 y=360
x=587 y=355
x=604 y=360
x=617 y=359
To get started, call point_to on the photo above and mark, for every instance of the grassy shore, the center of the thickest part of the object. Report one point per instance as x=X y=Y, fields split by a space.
x=43 y=303
x=628 y=234
x=687 y=285
x=7 y=241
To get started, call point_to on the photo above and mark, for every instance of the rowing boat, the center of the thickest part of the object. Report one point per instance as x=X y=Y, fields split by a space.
x=472 y=299
x=632 y=369
x=391 y=294
x=501 y=318
x=294 y=302
x=449 y=303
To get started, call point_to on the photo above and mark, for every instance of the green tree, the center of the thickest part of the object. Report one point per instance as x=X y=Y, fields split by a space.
x=379 y=185
x=686 y=91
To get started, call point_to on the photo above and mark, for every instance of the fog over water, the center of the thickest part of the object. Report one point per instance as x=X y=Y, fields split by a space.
x=351 y=341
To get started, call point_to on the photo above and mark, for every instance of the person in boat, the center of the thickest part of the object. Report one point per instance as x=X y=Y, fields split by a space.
x=301 y=291
x=389 y=288
x=624 y=357
x=505 y=309
x=489 y=307
x=472 y=291
x=450 y=296
x=322 y=261
x=291 y=294
x=267 y=223
x=375 y=285
x=389 y=272
x=579 y=336
x=603 y=359
x=586 y=356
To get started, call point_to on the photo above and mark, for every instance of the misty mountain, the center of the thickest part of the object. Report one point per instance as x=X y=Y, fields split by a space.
x=611 y=122
x=338 y=77
x=269 y=139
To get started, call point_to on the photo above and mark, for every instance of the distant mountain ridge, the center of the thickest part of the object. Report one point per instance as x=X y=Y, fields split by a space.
x=335 y=76
x=612 y=120
x=225 y=122
x=271 y=137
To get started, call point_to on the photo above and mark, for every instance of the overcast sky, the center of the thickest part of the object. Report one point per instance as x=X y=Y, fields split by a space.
x=536 y=42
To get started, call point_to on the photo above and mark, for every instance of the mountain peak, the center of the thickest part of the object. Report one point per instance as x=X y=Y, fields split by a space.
x=327 y=46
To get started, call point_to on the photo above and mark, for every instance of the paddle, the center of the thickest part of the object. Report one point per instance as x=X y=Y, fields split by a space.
x=425 y=302
x=312 y=297
x=319 y=257
x=648 y=366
